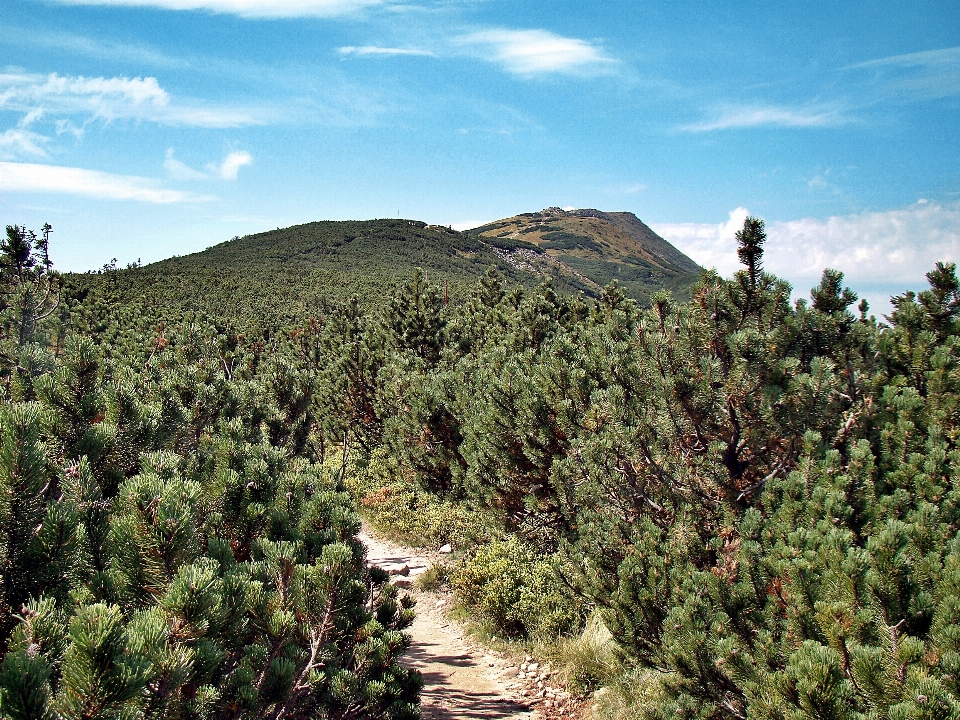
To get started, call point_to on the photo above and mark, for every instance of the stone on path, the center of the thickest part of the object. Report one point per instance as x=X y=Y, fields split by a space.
x=460 y=680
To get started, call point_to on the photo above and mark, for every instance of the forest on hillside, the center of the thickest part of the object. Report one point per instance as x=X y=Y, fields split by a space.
x=755 y=498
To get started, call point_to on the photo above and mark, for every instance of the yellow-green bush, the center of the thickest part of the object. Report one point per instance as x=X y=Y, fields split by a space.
x=590 y=659
x=407 y=512
x=518 y=594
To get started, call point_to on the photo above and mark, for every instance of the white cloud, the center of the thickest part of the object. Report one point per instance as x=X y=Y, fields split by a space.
x=26 y=177
x=226 y=170
x=66 y=126
x=463 y=225
x=14 y=142
x=247 y=8
x=767 y=115
x=30 y=118
x=231 y=165
x=873 y=249
x=111 y=98
x=710 y=245
x=377 y=51
x=537 y=52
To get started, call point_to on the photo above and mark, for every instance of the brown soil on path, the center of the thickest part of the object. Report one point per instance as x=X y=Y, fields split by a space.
x=461 y=678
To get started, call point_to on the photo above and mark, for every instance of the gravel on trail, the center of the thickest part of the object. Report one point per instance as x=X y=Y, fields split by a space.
x=461 y=678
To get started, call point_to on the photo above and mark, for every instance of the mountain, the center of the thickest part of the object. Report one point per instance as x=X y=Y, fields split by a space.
x=287 y=274
x=595 y=247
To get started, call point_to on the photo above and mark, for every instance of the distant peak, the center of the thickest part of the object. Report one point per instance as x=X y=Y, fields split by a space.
x=581 y=212
x=571 y=212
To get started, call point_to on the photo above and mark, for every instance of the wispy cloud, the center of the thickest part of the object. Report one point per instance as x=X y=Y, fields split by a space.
x=247 y=8
x=18 y=141
x=893 y=247
x=529 y=53
x=946 y=57
x=752 y=116
x=225 y=170
x=178 y=170
x=909 y=78
x=101 y=48
x=822 y=182
x=140 y=98
x=27 y=177
x=377 y=51
x=914 y=77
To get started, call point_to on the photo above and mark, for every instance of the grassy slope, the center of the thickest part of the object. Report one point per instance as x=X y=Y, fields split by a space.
x=601 y=246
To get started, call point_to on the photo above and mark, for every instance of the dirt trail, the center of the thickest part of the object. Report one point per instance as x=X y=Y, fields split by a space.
x=461 y=678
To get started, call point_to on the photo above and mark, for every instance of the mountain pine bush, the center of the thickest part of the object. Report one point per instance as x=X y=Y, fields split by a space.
x=756 y=496
x=167 y=546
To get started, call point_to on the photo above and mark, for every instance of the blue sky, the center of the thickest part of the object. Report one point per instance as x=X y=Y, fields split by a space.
x=147 y=128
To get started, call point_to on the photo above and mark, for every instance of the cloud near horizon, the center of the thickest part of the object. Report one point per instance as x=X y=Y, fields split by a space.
x=28 y=177
x=529 y=53
x=252 y=9
x=873 y=249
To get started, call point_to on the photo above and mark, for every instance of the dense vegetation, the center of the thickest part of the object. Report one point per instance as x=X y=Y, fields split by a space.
x=168 y=546
x=757 y=498
x=280 y=277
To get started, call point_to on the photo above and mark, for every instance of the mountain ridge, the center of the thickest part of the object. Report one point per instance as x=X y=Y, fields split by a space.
x=309 y=269
x=600 y=246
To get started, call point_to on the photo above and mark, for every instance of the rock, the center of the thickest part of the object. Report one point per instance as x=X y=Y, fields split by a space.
x=404 y=583
x=533 y=667
x=446 y=549
x=396 y=569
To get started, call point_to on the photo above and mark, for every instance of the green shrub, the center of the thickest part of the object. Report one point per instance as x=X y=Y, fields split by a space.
x=434 y=577
x=407 y=512
x=518 y=594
